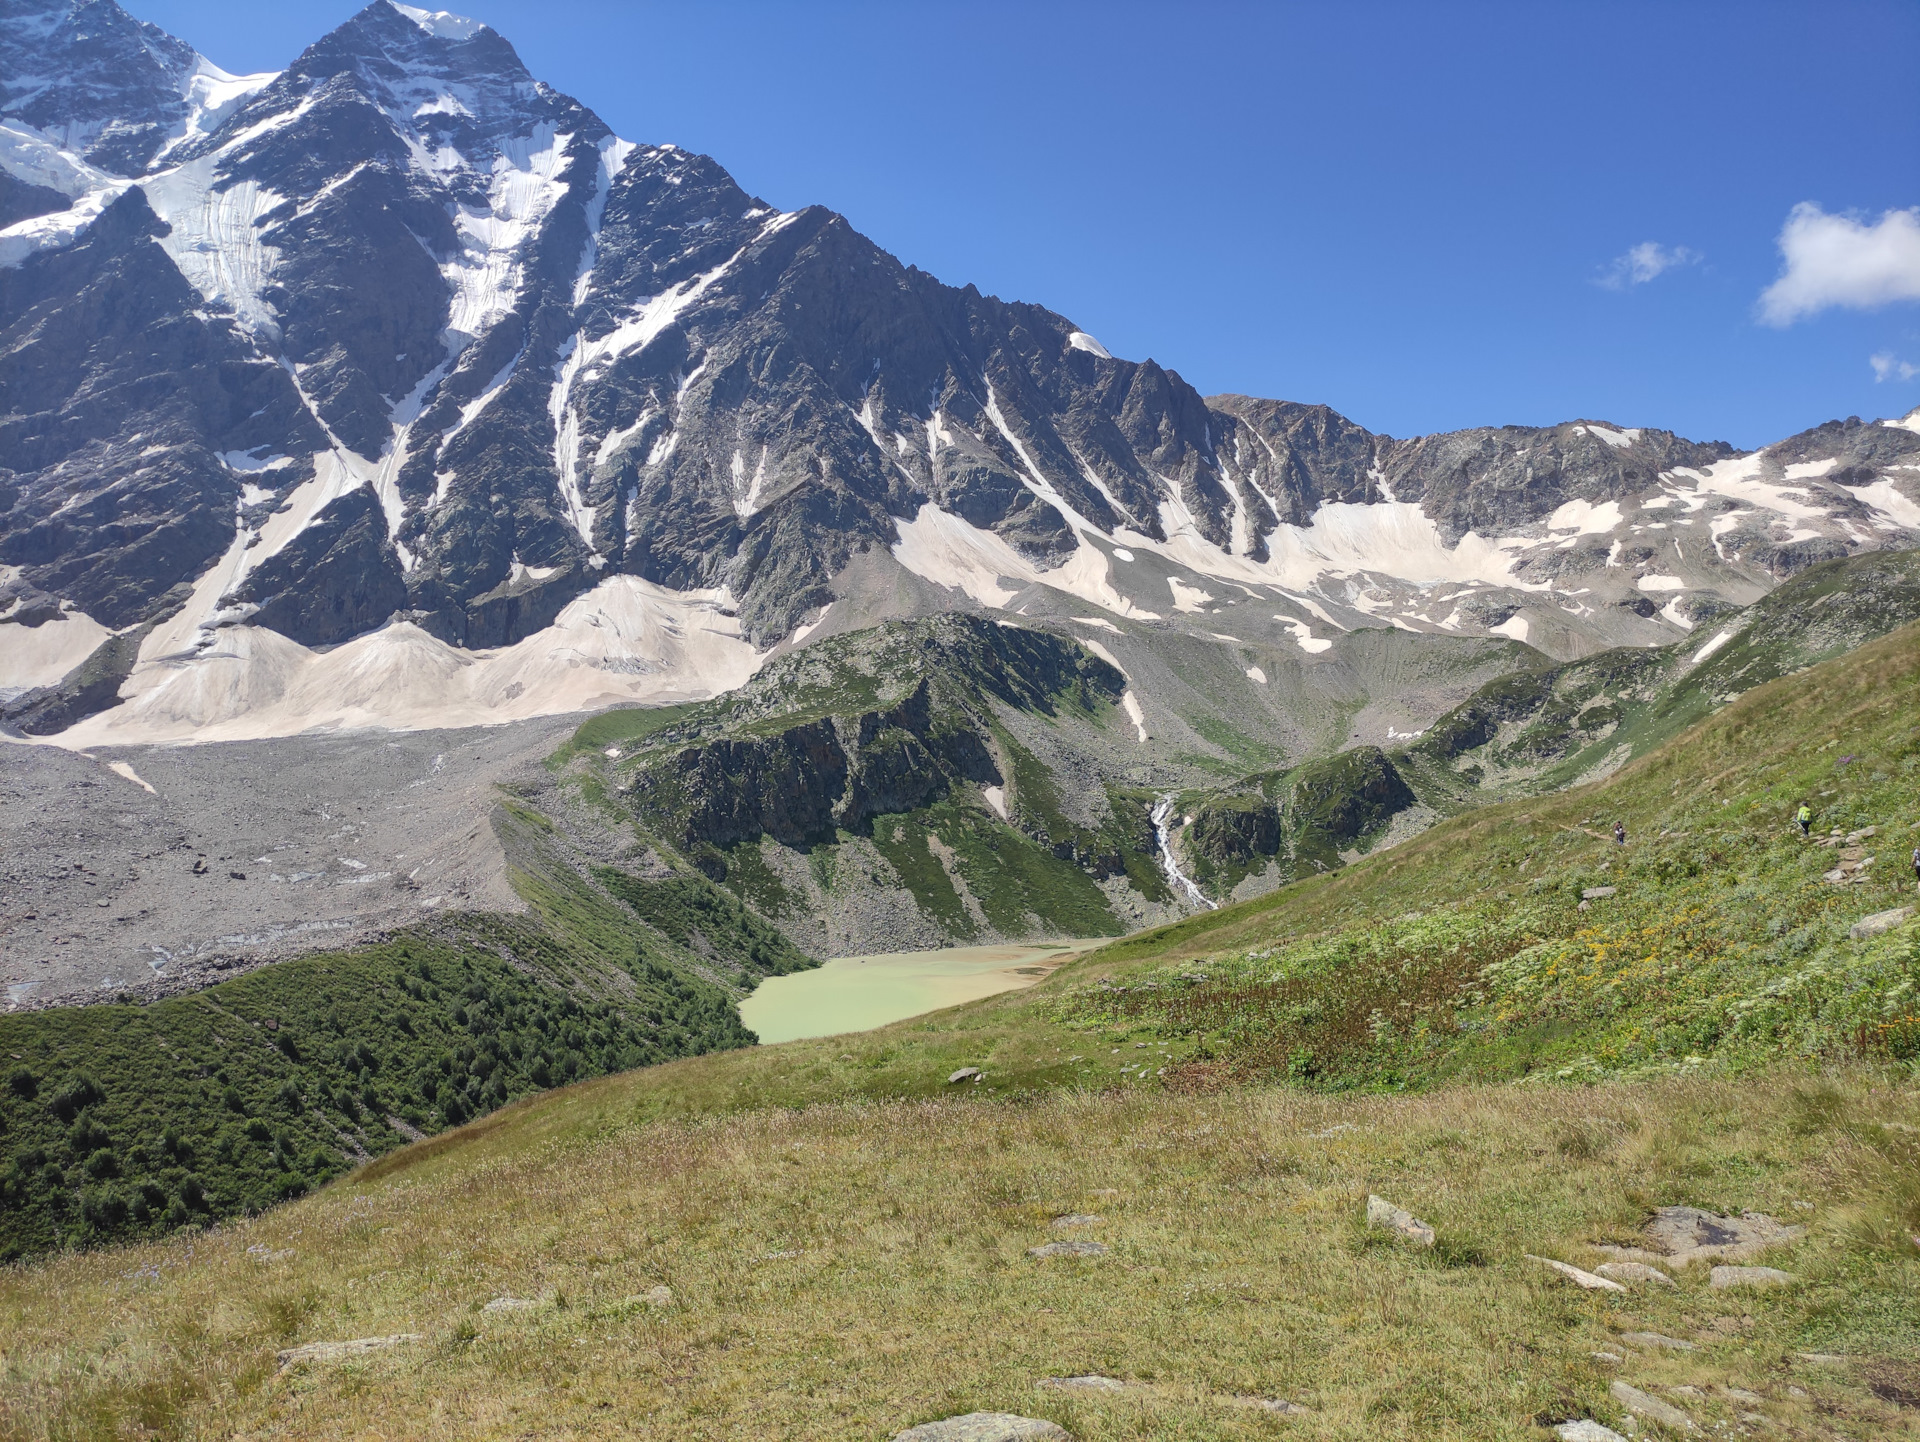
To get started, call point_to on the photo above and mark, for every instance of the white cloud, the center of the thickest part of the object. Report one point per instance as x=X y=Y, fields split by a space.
x=1641 y=264
x=1887 y=367
x=1841 y=260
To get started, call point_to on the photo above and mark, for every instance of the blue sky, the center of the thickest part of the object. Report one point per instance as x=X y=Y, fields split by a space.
x=1425 y=215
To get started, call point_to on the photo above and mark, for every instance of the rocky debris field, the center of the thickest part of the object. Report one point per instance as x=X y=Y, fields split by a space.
x=159 y=869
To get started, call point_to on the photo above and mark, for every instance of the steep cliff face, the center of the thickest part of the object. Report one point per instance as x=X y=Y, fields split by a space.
x=1283 y=826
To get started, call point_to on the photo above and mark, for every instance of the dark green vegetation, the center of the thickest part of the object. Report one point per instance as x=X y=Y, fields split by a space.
x=125 y=1121
x=1541 y=728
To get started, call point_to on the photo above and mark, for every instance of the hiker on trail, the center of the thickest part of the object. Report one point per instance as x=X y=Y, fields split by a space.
x=1805 y=818
x=1620 y=832
x=1916 y=868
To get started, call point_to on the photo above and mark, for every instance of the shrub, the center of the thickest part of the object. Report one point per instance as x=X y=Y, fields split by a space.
x=80 y=1092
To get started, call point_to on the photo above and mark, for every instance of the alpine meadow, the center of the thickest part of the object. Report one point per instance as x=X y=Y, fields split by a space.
x=623 y=816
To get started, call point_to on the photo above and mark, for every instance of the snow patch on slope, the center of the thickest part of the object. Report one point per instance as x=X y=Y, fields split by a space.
x=35 y=656
x=440 y=24
x=215 y=239
x=627 y=640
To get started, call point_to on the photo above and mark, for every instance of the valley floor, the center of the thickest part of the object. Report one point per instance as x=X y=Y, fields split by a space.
x=1518 y=1029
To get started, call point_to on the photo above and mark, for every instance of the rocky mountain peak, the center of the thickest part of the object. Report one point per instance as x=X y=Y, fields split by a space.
x=469 y=369
x=104 y=86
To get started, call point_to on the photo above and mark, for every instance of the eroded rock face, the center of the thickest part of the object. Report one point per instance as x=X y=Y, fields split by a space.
x=335 y=579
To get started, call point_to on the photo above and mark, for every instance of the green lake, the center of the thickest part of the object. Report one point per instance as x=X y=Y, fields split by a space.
x=858 y=993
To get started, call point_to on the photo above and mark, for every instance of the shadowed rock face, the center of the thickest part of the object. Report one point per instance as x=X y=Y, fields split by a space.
x=335 y=579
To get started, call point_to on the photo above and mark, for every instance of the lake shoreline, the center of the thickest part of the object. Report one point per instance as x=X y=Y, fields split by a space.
x=859 y=993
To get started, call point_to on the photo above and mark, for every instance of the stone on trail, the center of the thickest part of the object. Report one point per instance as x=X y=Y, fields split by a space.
x=1067 y=1249
x=1383 y=1213
x=1634 y=1272
x=1652 y=1408
x=1586 y=1430
x=1655 y=1339
x=1278 y=1406
x=340 y=1351
x=1880 y=921
x=1575 y=1275
x=1724 y=1278
x=985 y=1427
x=1077 y=1219
x=510 y=1304
x=966 y=1073
x=1687 y=1234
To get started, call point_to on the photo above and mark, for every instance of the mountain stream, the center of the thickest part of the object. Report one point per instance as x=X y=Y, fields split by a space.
x=1162 y=813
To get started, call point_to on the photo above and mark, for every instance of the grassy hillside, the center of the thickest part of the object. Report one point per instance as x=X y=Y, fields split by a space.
x=858 y=1267
x=842 y=1235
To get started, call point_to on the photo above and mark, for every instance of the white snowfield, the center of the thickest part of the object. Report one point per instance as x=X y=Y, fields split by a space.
x=625 y=641
x=34 y=656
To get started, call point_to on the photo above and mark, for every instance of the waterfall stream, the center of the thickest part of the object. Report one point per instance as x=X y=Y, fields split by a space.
x=1162 y=811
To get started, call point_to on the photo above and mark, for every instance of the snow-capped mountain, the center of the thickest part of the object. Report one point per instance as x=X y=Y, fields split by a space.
x=394 y=388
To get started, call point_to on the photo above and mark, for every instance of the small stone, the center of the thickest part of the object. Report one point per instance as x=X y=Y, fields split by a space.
x=1607 y=1359
x=1383 y=1213
x=1821 y=1359
x=985 y=1427
x=510 y=1304
x=654 y=1297
x=1652 y=1408
x=1598 y=893
x=1741 y=1394
x=1799 y=1394
x=1723 y=1278
x=966 y=1073
x=1575 y=1275
x=1656 y=1340
x=338 y=1351
x=1880 y=921
x=1278 y=1406
x=1077 y=1219
x=1083 y=1384
x=1067 y=1249
x=1634 y=1272
x=1686 y=1390
x=1586 y=1430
